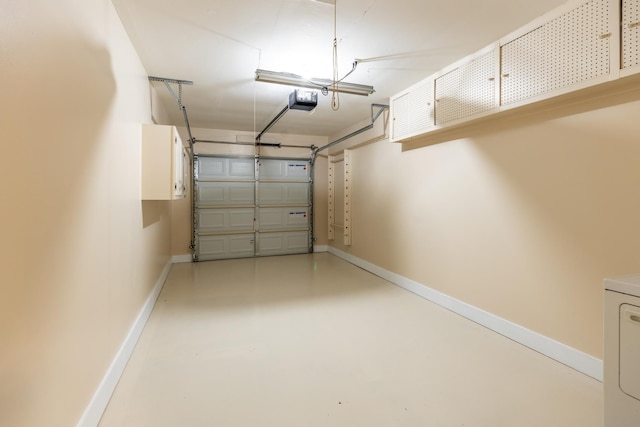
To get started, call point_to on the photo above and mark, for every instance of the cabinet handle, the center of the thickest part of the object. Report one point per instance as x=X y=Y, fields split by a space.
x=632 y=315
x=605 y=36
x=491 y=79
x=634 y=25
x=505 y=75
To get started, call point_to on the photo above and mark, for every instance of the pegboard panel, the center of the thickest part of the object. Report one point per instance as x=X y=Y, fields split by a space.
x=630 y=33
x=570 y=49
x=467 y=90
x=421 y=107
x=400 y=117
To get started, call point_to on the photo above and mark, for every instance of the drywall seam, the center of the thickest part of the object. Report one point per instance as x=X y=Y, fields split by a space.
x=562 y=353
x=95 y=409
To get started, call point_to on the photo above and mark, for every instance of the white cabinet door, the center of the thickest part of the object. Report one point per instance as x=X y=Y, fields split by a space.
x=421 y=108
x=630 y=350
x=178 y=166
x=468 y=90
x=630 y=34
x=412 y=111
x=399 y=117
x=562 y=54
x=163 y=160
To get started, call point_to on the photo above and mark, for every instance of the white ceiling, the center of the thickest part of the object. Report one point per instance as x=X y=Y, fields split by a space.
x=218 y=44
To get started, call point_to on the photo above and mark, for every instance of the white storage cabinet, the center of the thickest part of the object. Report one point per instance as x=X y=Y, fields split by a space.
x=469 y=89
x=622 y=352
x=567 y=53
x=164 y=163
x=630 y=37
x=412 y=111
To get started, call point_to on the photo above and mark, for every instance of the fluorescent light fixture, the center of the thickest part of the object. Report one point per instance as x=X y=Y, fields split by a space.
x=312 y=83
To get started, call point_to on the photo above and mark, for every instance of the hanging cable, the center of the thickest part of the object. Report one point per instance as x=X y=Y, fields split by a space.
x=353 y=68
x=320 y=86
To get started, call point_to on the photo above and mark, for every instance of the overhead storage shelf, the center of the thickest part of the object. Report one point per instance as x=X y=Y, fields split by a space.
x=577 y=46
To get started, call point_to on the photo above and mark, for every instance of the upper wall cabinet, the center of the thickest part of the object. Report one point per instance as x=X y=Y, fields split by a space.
x=630 y=43
x=581 y=44
x=412 y=111
x=164 y=163
x=467 y=90
x=563 y=53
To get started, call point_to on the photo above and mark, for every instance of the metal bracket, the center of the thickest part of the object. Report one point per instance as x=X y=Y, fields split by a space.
x=167 y=83
x=381 y=109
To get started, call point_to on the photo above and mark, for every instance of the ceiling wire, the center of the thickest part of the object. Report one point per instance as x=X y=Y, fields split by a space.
x=335 y=99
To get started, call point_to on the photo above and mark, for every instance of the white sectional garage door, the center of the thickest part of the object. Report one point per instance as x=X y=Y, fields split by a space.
x=247 y=206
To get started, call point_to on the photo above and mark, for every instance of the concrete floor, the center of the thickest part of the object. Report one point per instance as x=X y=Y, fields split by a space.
x=311 y=340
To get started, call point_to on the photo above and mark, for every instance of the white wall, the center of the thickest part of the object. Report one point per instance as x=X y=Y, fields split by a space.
x=522 y=217
x=79 y=251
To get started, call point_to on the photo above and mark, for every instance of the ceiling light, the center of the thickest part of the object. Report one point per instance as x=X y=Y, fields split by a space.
x=312 y=83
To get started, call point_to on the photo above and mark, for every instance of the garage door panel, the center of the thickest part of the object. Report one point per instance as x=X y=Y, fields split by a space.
x=225 y=247
x=225 y=168
x=220 y=220
x=283 y=218
x=225 y=193
x=283 y=193
x=276 y=169
x=281 y=243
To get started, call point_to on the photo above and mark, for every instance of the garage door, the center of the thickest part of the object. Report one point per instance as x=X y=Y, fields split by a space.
x=247 y=206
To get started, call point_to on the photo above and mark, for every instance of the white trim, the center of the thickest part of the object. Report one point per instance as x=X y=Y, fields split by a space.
x=95 y=409
x=178 y=259
x=320 y=248
x=562 y=353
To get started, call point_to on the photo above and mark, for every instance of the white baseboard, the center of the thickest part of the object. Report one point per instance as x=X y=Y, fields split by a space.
x=562 y=353
x=177 y=259
x=93 y=412
x=320 y=248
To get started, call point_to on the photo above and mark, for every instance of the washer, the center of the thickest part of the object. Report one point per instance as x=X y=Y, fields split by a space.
x=622 y=351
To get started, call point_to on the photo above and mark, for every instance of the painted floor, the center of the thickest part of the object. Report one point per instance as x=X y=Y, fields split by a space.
x=311 y=340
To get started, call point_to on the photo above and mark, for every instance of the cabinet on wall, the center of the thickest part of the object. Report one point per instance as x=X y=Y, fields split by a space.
x=630 y=35
x=581 y=44
x=468 y=89
x=566 y=53
x=164 y=163
x=412 y=111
